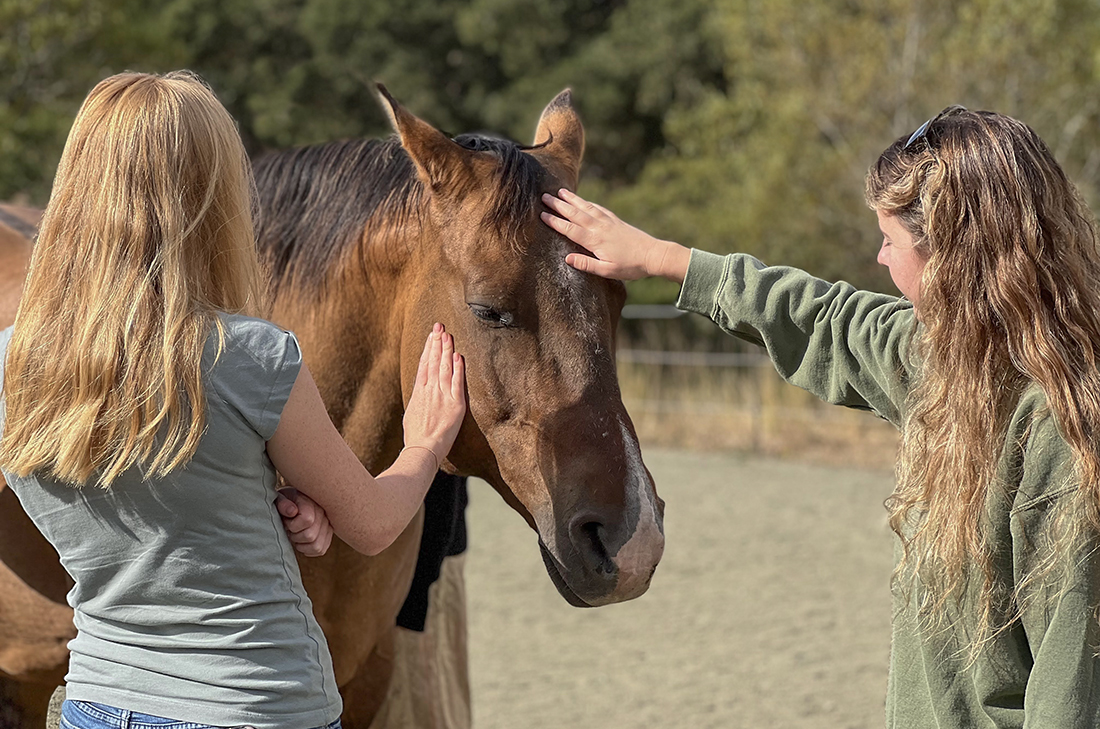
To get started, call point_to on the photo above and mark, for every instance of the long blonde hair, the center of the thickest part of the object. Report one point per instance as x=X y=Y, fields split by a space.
x=147 y=235
x=1010 y=299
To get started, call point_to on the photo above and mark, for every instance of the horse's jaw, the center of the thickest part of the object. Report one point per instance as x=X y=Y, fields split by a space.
x=554 y=570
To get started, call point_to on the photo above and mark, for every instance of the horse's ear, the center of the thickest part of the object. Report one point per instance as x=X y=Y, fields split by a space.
x=441 y=163
x=559 y=139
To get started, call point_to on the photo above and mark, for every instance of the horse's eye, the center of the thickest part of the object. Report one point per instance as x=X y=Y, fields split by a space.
x=492 y=317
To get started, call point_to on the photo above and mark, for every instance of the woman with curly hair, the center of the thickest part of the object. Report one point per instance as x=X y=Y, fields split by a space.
x=988 y=365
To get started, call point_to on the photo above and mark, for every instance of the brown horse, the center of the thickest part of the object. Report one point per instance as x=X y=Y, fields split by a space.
x=369 y=242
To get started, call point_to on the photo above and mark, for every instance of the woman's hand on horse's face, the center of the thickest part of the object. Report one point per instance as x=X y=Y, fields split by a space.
x=619 y=250
x=438 y=401
x=369 y=513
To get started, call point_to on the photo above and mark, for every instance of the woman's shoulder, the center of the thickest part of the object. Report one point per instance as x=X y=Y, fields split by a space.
x=254 y=369
x=249 y=352
x=240 y=327
x=249 y=338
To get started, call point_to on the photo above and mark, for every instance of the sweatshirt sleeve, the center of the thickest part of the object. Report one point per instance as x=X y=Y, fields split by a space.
x=847 y=347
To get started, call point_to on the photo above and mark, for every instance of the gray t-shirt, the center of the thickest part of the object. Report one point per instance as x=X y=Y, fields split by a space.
x=188 y=601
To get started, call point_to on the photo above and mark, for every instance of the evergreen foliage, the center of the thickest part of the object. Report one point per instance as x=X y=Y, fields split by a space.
x=723 y=124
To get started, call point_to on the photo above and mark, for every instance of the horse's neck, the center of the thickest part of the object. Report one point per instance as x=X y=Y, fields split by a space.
x=351 y=341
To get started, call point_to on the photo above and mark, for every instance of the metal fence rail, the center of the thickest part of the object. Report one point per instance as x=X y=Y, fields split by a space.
x=691 y=359
x=662 y=357
x=652 y=311
x=824 y=413
x=755 y=413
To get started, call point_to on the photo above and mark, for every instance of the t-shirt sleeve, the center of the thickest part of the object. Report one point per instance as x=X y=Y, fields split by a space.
x=256 y=371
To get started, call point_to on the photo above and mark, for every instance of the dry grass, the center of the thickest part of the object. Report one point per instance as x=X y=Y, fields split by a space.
x=750 y=410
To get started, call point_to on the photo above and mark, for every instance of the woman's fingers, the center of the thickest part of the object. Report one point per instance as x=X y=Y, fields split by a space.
x=316 y=545
x=573 y=223
x=560 y=206
x=306 y=523
x=435 y=410
x=574 y=207
x=458 y=379
x=287 y=508
x=435 y=347
x=446 y=361
x=305 y=534
x=322 y=546
x=570 y=230
x=589 y=264
x=590 y=209
x=422 y=368
x=618 y=249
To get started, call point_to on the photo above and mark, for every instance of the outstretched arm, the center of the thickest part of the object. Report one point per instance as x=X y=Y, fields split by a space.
x=847 y=347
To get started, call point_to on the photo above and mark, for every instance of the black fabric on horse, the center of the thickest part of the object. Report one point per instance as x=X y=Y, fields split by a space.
x=444 y=536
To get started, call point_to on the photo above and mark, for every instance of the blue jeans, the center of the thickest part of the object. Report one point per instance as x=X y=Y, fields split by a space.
x=86 y=715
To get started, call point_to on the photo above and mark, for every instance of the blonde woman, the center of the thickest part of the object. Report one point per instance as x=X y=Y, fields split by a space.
x=145 y=414
x=988 y=365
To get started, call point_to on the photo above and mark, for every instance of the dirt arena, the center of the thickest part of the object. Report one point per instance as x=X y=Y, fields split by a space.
x=769 y=609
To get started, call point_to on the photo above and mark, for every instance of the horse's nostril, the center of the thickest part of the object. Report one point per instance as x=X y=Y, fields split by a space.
x=588 y=541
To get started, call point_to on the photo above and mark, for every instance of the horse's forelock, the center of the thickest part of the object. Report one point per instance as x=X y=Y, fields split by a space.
x=519 y=189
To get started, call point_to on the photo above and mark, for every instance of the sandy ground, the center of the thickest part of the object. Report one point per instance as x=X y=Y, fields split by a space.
x=769 y=609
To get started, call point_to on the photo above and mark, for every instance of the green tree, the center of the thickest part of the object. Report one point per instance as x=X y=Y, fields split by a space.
x=774 y=164
x=723 y=124
x=51 y=53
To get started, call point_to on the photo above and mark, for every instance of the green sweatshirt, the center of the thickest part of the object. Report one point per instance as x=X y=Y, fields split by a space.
x=851 y=348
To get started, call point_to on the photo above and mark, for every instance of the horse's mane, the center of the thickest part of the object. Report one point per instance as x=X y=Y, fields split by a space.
x=315 y=202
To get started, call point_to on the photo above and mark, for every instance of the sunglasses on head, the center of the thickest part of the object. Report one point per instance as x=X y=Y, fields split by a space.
x=922 y=130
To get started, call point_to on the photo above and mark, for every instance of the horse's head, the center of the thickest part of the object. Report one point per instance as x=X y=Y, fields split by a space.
x=546 y=424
